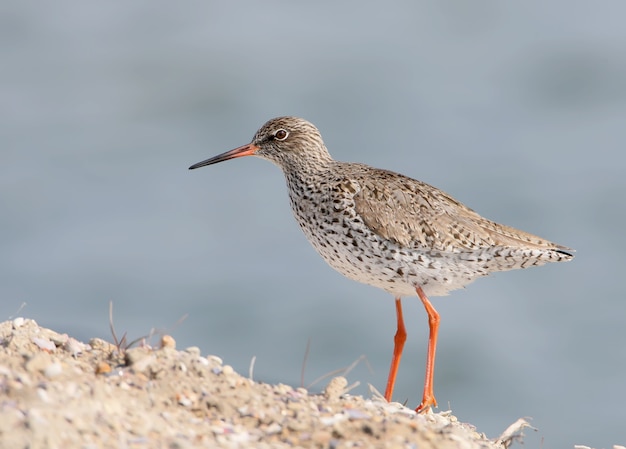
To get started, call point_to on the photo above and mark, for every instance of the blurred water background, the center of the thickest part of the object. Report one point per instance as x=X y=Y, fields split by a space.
x=518 y=109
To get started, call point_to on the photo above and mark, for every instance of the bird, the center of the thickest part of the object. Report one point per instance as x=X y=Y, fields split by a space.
x=388 y=230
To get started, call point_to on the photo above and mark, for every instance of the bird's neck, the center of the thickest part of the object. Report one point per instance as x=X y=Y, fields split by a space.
x=308 y=174
x=307 y=166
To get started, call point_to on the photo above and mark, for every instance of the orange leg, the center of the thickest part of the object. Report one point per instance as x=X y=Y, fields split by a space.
x=428 y=398
x=398 y=345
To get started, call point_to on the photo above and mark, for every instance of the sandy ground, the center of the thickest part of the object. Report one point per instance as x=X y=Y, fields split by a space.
x=57 y=392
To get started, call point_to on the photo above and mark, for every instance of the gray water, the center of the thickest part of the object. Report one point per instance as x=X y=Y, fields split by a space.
x=518 y=110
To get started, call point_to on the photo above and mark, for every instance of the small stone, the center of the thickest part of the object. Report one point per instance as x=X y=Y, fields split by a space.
x=53 y=370
x=193 y=350
x=74 y=346
x=18 y=322
x=335 y=388
x=136 y=355
x=72 y=390
x=273 y=428
x=144 y=364
x=99 y=344
x=58 y=339
x=297 y=426
x=186 y=398
x=43 y=395
x=355 y=413
x=303 y=391
x=333 y=420
x=214 y=359
x=283 y=389
x=227 y=370
x=44 y=343
x=167 y=341
x=36 y=422
x=103 y=368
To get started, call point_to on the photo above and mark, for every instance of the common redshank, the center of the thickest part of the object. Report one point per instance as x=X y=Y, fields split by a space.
x=389 y=231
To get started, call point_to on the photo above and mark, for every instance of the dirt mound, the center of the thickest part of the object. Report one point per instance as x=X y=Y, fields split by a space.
x=56 y=392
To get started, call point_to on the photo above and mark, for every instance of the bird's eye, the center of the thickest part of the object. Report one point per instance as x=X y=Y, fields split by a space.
x=281 y=134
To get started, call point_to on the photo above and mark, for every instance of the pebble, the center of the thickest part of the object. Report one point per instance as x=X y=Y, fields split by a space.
x=303 y=391
x=18 y=322
x=43 y=395
x=335 y=388
x=186 y=398
x=103 y=368
x=72 y=389
x=58 y=339
x=53 y=370
x=273 y=428
x=44 y=343
x=35 y=421
x=193 y=350
x=215 y=359
x=139 y=359
x=167 y=341
x=101 y=345
x=283 y=389
x=297 y=426
x=74 y=347
x=333 y=420
x=355 y=413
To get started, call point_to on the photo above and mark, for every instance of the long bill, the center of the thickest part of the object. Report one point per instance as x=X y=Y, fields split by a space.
x=246 y=150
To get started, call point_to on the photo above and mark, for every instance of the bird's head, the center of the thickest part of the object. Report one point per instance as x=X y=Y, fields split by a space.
x=288 y=142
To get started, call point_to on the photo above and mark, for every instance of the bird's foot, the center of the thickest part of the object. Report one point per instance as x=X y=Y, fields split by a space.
x=427 y=402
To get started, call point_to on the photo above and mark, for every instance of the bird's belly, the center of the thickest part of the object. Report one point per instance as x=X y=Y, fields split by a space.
x=364 y=257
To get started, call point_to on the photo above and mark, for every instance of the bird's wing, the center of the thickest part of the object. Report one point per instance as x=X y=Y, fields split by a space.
x=414 y=214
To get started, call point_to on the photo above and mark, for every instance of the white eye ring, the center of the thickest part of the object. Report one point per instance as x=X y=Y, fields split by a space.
x=281 y=134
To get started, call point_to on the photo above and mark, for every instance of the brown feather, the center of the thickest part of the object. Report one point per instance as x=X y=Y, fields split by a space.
x=414 y=214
